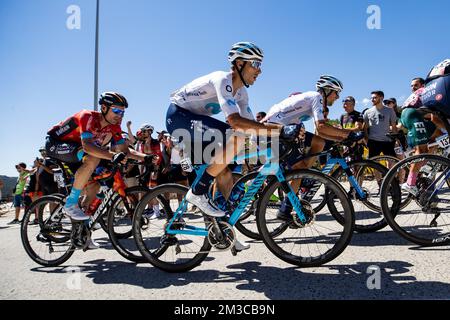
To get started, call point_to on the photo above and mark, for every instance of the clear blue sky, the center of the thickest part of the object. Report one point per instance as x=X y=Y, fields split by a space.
x=150 y=48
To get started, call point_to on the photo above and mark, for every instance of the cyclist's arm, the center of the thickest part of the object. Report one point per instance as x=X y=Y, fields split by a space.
x=92 y=149
x=239 y=123
x=325 y=130
x=131 y=135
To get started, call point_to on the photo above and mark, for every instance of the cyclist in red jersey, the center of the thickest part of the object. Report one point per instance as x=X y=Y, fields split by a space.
x=84 y=137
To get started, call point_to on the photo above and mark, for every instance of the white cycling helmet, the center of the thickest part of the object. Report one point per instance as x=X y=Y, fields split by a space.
x=329 y=82
x=245 y=51
x=442 y=69
x=146 y=127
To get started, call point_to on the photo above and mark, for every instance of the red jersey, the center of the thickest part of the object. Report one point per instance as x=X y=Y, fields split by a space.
x=86 y=125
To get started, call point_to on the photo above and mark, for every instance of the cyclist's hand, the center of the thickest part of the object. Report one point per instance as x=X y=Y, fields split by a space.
x=292 y=132
x=149 y=159
x=355 y=136
x=119 y=158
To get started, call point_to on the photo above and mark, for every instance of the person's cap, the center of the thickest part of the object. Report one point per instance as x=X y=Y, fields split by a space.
x=349 y=98
x=390 y=100
x=22 y=165
x=164 y=132
x=42 y=149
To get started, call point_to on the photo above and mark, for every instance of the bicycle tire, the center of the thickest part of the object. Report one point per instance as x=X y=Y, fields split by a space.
x=119 y=240
x=274 y=243
x=393 y=213
x=26 y=241
x=153 y=256
x=375 y=215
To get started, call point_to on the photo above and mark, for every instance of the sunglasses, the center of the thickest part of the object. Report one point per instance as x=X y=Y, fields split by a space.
x=118 y=111
x=344 y=101
x=255 y=64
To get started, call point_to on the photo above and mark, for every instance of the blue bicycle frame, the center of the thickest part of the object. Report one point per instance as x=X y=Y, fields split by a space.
x=269 y=169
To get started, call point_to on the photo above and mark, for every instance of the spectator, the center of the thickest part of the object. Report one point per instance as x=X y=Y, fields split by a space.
x=351 y=119
x=131 y=170
x=379 y=121
x=131 y=138
x=416 y=84
x=151 y=146
x=19 y=189
x=165 y=147
x=260 y=116
x=32 y=191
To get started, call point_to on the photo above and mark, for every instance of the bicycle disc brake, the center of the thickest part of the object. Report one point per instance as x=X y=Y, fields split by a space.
x=309 y=213
x=221 y=235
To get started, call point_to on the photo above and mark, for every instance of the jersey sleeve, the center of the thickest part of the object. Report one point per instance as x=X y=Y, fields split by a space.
x=244 y=107
x=224 y=91
x=317 y=108
x=85 y=125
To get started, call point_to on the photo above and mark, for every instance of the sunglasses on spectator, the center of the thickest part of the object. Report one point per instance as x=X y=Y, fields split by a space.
x=118 y=111
x=255 y=64
x=347 y=100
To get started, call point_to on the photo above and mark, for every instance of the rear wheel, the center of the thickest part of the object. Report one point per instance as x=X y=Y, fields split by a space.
x=171 y=253
x=120 y=223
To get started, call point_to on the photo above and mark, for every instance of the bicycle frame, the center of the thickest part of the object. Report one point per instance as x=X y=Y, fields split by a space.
x=329 y=167
x=269 y=169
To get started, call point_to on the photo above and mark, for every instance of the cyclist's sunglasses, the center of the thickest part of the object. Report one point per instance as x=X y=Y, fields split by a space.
x=118 y=111
x=255 y=64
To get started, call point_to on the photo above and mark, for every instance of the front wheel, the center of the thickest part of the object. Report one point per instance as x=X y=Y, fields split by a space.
x=426 y=219
x=319 y=241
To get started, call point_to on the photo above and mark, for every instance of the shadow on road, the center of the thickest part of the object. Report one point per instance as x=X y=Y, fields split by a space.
x=339 y=281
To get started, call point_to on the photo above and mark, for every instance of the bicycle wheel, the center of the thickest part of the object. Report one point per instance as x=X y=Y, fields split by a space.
x=319 y=241
x=120 y=223
x=426 y=220
x=48 y=243
x=369 y=176
x=389 y=162
x=171 y=253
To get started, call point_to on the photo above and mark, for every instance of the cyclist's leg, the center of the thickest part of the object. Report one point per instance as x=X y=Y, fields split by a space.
x=190 y=128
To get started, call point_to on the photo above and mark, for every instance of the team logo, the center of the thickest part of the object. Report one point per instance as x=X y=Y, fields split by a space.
x=439 y=97
x=229 y=88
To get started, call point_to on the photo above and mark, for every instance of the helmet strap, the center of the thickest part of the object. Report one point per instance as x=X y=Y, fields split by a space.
x=105 y=113
x=239 y=70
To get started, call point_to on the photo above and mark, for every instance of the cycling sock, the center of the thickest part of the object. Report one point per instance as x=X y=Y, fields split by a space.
x=203 y=184
x=72 y=199
x=412 y=179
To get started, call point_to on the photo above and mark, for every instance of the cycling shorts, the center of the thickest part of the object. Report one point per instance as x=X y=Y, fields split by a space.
x=420 y=130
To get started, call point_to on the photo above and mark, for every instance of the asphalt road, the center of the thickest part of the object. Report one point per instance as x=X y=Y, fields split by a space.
x=405 y=272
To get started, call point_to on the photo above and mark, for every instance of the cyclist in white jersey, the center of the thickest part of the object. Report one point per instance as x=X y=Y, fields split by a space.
x=193 y=106
x=303 y=107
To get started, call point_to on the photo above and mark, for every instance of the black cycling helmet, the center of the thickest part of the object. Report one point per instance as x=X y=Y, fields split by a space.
x=113 y=98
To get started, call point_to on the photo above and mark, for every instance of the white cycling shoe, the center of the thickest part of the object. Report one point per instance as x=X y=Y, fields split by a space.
x=204 y=204
x=75 y=213
x=241 y=246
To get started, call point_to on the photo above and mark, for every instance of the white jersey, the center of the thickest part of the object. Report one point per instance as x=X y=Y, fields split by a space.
x=296 y=109
x=212 y=94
